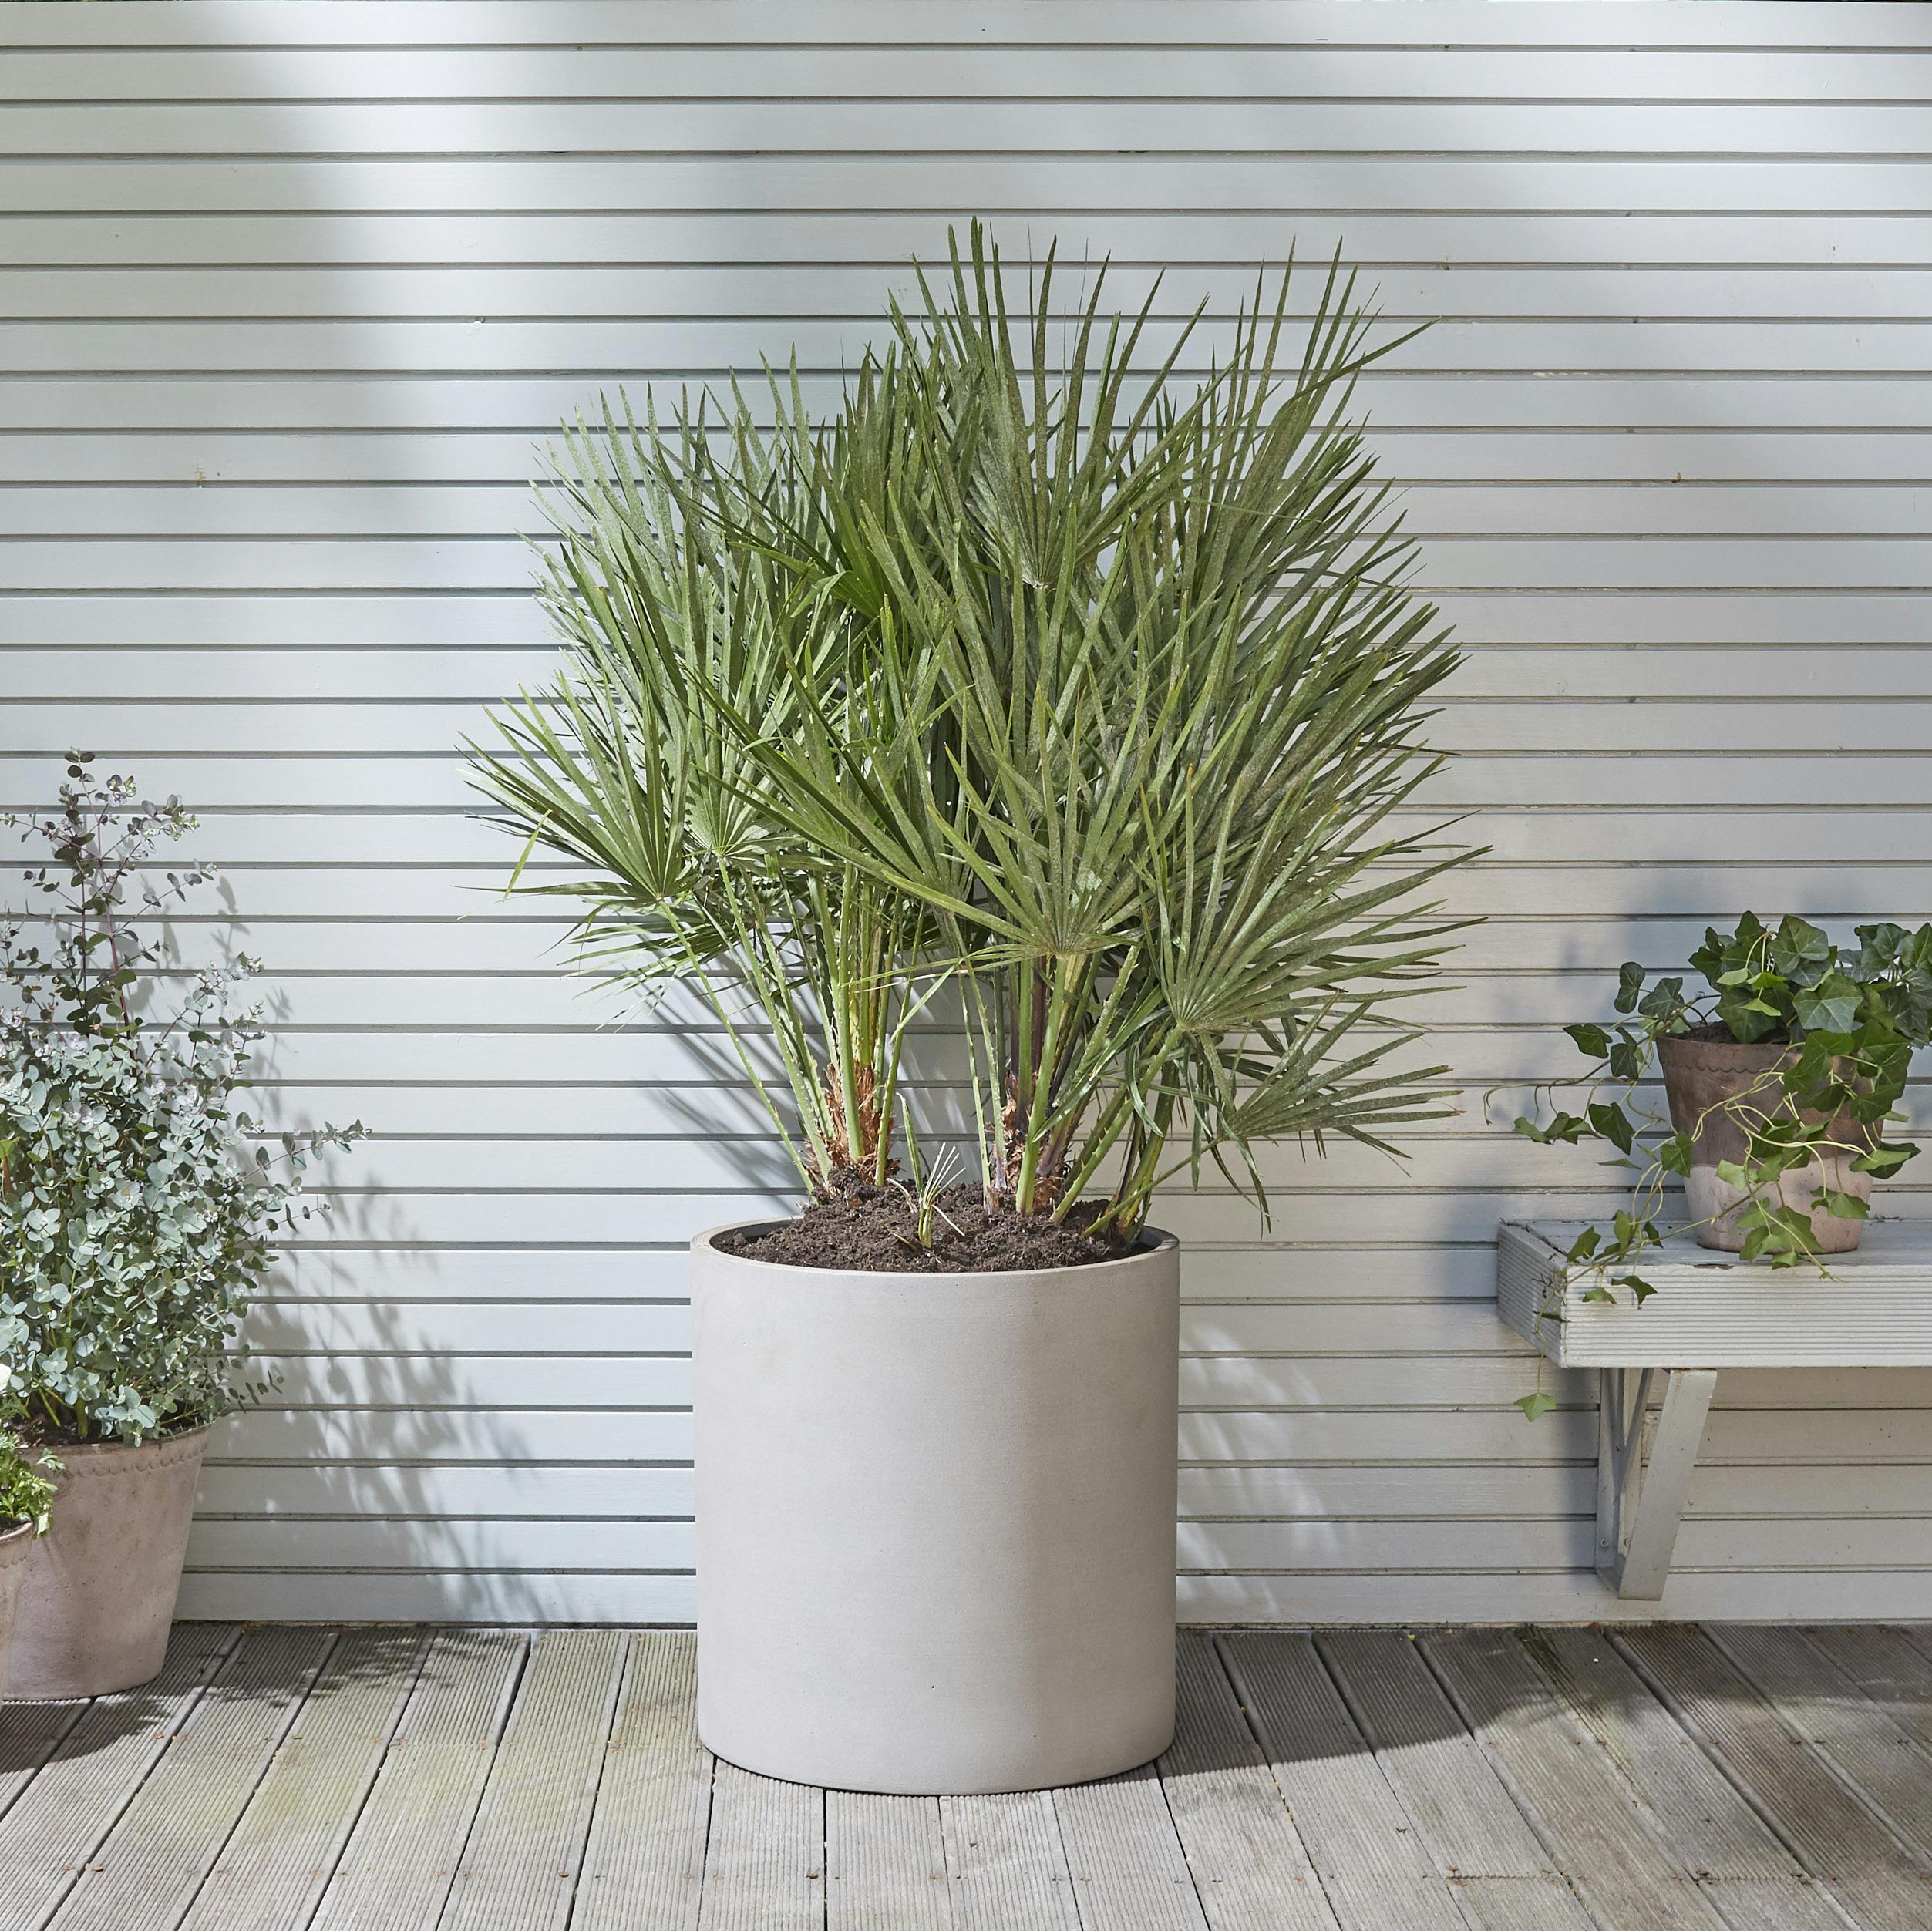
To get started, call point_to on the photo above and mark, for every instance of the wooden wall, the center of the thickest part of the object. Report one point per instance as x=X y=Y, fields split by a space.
x=290 y=291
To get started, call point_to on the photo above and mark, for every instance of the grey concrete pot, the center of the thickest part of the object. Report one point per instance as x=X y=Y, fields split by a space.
x=16 y=1544
x=99 y=1588
x=936 y=1521
x=1700 y=1075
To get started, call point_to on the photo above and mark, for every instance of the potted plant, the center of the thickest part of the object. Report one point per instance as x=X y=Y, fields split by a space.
x=26 y=1494
x=1105 y=699
x=1779 y=1080
x=135 y=1221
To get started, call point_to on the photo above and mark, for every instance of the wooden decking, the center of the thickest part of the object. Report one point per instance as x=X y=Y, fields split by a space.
x=287 y=1777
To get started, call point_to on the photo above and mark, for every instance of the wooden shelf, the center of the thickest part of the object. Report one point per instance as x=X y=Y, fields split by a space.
x=1710 y=1311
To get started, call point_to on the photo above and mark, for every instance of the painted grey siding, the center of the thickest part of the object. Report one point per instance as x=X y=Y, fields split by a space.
x=291 y=290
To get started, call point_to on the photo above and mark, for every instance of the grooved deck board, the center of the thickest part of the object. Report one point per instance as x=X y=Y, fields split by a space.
x=396 y=1869
x=298 y=1778
x=1867 y=1748
x=1882 y=1885
x=1008 y=1864
x=885 y=1864
x=1364 y=1847
x=161 y=1849
x=645 y=1860
x=1250 y=1867
x=1504 y=1875
x=271 y=1874
x=520 y=1868
x=29 y=1735
x=59 y=1821
x=1128 y=1871
x=1583 y=1811
x=764 y=1869
x=1889 y=1666
x=1752 y=1878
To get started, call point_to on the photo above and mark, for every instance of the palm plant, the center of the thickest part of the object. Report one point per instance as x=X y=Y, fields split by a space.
x=683 y=866
x=1142 y=690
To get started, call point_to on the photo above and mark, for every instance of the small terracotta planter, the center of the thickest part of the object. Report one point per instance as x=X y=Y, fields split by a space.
x=1700 y=1075
x=98 y=1591
x=16 y=1544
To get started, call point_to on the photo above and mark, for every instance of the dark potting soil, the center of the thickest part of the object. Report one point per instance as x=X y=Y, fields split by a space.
x=863 y=1228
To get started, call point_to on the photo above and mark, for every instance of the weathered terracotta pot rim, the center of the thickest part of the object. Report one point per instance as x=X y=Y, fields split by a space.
x=16 y=1539
x=80 y=1459
x=1724 y=1053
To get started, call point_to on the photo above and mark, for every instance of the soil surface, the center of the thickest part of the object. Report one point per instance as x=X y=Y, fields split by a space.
x=863 y=1228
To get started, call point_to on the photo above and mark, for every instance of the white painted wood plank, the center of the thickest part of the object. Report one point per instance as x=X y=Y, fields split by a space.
x=1811 y=25
x=1102 y=68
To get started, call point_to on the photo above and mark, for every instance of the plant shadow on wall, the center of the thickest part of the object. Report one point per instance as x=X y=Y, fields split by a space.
x=1026 y=704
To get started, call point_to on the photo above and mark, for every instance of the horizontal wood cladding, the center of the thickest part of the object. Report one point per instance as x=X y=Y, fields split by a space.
x=293 y=293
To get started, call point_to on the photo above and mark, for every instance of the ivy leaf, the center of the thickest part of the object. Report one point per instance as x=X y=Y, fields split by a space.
x=1629 y=984
x=1830 y=1006
x=1585 y=1244
x=1536 y=1404
x=1591 y=1041
x=1612 y=1124
x=1640 y=1289
x=1884 y=1159
x=1675 y=1154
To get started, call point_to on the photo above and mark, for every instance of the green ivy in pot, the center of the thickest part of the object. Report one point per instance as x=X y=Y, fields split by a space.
x=135 y=1218
x=26 y=1494
x=1798 y=1131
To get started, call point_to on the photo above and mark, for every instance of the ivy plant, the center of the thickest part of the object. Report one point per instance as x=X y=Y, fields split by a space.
x=26 y=1494
x=1852 y=1017
x=138 y=1209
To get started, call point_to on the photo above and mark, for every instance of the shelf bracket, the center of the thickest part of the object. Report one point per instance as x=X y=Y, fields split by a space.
x=1638 y=1505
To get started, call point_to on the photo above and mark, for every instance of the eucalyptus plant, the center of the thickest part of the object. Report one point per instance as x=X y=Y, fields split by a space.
x=1144 y=689
x=137 y=1220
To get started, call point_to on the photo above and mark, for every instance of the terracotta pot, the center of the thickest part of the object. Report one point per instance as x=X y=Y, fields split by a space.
x=936 y=1521
x=16 y=1544
x=1699 y=1076
x=99 y=1591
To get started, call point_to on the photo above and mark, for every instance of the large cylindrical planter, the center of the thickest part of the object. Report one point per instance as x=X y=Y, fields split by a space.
x=1702 y=1079
x=16 y=1543
x=936 y=1521
x=98 y=1595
